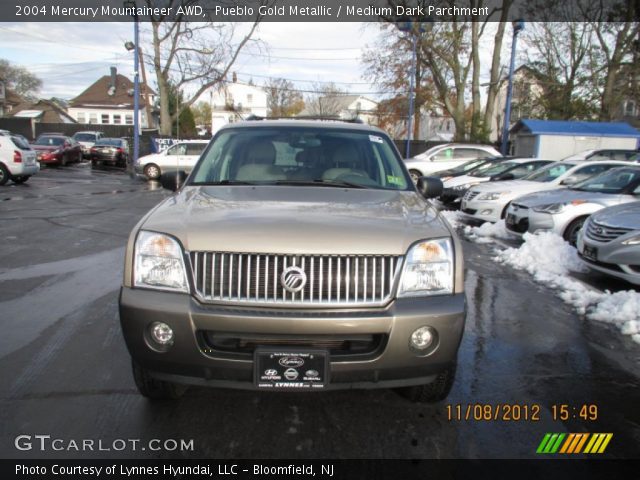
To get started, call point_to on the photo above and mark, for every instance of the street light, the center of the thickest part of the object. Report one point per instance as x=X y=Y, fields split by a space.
x=518 y=26
x=136 y=84
x=408 y=26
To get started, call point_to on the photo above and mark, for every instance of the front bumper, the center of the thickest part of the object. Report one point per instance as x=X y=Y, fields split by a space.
x=49 y=158
x=485 y=211
x=520 y=220
x=188 y=360
x=612 y=258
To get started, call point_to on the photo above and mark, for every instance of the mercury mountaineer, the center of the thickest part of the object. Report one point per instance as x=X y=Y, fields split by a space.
x=297 y=255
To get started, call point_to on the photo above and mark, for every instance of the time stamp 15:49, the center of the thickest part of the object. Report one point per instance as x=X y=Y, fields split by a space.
x=516 y=412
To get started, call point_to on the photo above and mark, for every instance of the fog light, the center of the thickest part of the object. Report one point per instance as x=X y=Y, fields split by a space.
x=161 y=333
x=421 y=339
x=486 y=212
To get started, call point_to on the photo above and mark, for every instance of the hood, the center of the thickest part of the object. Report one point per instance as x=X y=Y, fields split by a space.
x=464 y=179
x=517 y=186
x=296 y=220
x=620 y=216
x=46 y=148
x=567 y=195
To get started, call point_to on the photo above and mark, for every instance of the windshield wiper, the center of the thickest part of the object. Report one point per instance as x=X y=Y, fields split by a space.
x=223 y=182
x=320 y=182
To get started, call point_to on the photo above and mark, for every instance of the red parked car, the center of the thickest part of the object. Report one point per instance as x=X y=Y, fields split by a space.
x=57 y=149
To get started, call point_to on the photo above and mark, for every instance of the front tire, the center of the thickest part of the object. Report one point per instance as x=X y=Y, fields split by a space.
x=432 y=392
x=155 y=389
x=571 y=232
x=64 y=160
x=152 y=171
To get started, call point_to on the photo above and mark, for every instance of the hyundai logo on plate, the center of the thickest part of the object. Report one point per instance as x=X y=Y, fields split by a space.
x=291 y=362
x=293 y=279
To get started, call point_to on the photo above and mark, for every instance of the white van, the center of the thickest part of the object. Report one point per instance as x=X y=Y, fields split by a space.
x=180 y=156
x=17 y=160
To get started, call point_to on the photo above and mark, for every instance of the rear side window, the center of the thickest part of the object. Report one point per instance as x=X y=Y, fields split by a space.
x=195 y=148
x=20 y=143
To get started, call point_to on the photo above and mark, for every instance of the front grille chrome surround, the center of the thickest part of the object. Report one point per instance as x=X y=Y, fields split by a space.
x=602 y=233
x=332 y=280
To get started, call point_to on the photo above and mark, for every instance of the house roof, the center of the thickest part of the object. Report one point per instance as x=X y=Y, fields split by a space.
x=45 y=110
x=98 y=93
x=570 y=128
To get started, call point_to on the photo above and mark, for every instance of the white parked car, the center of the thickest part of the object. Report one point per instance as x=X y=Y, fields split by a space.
x=180 y=156
x=444 y=157
x=17 y=160
x=564 y=211
x=455 y=187
x=87 y=140
x=488 y=202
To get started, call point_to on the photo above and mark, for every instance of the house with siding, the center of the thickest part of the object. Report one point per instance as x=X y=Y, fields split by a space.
x=110 y=101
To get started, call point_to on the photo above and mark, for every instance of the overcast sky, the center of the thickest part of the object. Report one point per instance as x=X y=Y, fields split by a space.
x=68 y=57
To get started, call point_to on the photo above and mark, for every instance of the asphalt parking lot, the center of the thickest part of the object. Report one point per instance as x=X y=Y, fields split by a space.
x=65 y=369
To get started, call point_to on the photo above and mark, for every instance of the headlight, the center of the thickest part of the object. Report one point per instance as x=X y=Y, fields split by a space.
x=550 y=208
x=492 y=195
x=159 y=263
x=632 y=241
x=428 y=269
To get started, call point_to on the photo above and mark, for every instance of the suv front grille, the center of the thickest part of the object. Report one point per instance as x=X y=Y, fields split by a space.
x=223 y=277
x=602 y=233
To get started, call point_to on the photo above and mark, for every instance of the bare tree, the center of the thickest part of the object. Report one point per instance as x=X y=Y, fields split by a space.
x=325 y=101
x=19 y=79
x=283 y=100
x=194 y=54
x=615 y=55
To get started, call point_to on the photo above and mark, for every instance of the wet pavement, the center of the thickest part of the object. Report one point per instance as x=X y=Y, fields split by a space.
x=65 y=371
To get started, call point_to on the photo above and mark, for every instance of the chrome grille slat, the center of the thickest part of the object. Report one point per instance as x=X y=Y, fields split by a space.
x=254 y=278
x=603 y=233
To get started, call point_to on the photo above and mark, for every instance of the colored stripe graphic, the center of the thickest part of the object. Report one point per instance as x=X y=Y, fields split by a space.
x=572 y=443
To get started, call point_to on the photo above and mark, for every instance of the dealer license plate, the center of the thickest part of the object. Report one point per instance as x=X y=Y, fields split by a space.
x=591 y=253
x=291 y=369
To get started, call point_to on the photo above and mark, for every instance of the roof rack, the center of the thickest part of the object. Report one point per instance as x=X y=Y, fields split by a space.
x=326 y=118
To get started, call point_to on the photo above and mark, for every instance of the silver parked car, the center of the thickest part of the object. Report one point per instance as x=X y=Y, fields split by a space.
x=447 y=156
x=300 y=256
x=564 y=211
x=610 y=242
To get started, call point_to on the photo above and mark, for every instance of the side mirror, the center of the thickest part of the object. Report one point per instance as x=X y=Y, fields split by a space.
x=570 y=180
x=430 y=187
x=173 y=180
x=67 y=144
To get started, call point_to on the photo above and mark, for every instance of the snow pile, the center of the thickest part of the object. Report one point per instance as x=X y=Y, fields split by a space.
x=452 y=216
x=549 y=259
x=485 y=232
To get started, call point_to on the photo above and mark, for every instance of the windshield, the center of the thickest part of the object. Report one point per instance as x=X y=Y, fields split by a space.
x=301 y=156
x=490 y=169
x=617 y=180
x=85 y=137
x=470 y=165
x=51 y=141
x=111 y=142
x=550 y=172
